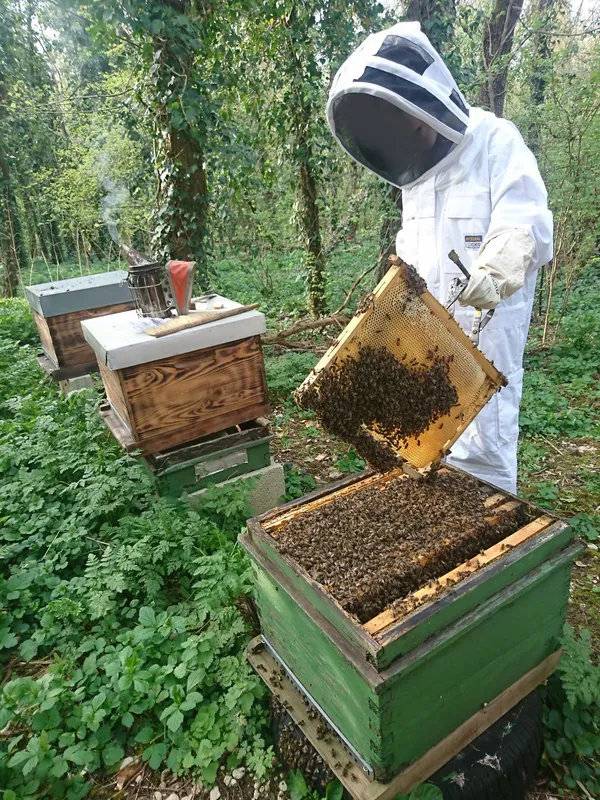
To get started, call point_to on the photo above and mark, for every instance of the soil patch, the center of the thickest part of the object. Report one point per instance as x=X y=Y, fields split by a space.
x=380 y=544
x=376 y=391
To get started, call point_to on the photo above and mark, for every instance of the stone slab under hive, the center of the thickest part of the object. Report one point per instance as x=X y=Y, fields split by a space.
x=404 y=322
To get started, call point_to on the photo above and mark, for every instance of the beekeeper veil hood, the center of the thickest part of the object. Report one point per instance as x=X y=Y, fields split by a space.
x=395 y=107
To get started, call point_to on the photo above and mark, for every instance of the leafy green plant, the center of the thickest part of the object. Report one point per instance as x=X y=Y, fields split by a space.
x=286 y=372
x=299 y=790
x=120 y=610
x=298 y=482
x=16 y=322
x=586 y=526
x=426 y=791
x=351 y=462
x=572 y=716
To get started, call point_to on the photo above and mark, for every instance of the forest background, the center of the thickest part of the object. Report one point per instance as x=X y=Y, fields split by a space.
x=195 y=129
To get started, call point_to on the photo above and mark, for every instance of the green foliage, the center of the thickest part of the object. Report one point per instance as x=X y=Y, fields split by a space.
x=426 y=791
x=119 y=610
x=16 y=322
x=351 y=462
x=286 y=372
x=572 y=715
x=298 y=482
x=585 y=526
x=299 y=790
x=561 y=395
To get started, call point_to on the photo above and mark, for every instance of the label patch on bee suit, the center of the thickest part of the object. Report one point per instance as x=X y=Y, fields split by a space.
x=473 y=241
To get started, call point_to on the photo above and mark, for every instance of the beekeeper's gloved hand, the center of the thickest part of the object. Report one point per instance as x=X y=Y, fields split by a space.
x=500 y=269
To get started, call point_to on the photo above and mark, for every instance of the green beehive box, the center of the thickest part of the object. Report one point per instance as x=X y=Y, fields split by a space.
x=213 y=459
x=397 y=685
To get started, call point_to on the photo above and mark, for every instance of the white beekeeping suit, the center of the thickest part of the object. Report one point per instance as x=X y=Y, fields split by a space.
x=468 y=184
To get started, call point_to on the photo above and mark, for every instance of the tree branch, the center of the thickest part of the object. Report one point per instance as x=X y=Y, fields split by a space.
x=282 y=337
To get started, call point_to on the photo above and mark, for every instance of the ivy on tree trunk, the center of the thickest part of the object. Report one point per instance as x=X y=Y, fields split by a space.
x=180 y=230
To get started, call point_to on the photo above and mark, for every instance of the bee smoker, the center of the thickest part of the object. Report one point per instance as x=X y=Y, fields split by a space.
x=147 y=280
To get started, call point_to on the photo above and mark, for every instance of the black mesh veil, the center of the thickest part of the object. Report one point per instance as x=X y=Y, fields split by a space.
x=395 y=107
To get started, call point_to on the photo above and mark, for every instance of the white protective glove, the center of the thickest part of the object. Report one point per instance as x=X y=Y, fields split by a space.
x=500 y=269
x=482 y=290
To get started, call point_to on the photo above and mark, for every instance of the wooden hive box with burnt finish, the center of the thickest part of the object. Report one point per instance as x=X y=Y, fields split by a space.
x=417 y=675
x=170 y=391
x=60 y=307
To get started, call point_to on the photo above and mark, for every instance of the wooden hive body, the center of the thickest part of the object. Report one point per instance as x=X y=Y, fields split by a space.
x=398 y=684
x=168 y=392
x=60 y=307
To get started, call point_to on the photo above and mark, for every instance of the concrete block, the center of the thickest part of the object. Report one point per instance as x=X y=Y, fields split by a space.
x=71 y=385
x=267 y=493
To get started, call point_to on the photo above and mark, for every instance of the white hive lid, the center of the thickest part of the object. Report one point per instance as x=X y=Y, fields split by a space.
x=79 y=294
x=120 y=340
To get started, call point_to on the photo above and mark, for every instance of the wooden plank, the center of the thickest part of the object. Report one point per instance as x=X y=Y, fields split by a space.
x=273 y=526
x=445 y=548
x=181 y=398
x=451 y=745
x=118 y=428
x=430 y=619
x=311 y=591
x=322 y=661
x=342 y=762
x=389 y=617
x=67 y=336
x=116 y=395
x=444 y=681
x=357 y=646
x=494 y=500
x=45 y=336
x=503 y=509
x=65 y=373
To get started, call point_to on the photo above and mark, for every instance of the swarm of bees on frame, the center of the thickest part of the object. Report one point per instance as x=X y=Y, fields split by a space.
x=375 y=391
x=377 y=546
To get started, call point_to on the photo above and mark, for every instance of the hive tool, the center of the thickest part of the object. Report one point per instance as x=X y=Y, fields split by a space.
x=457 y=287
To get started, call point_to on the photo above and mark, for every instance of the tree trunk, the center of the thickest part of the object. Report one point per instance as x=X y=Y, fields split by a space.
x=57 y=242
x=182 y=184
x=498 y=38
x=12 y=242
x=545 y=12
x=391 y=223
x=436 y=18
x=189 y=185
x=311 y=230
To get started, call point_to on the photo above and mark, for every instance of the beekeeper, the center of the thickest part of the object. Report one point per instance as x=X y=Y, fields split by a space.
x=468 y=184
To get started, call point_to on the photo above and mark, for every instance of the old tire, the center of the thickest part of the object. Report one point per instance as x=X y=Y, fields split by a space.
x=499 y=765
